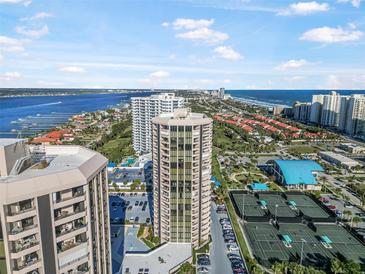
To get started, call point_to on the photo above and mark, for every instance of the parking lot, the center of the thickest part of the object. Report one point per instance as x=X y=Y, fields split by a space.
x=221 y=259
x=130 y=205
x=218 y=251
x=125 y=207
x=339 y=204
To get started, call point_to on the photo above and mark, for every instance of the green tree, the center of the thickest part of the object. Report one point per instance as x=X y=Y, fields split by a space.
x=337 y=266
x=352 y=267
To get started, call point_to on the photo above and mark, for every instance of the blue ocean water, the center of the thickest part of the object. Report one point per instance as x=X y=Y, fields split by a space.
x=281 y=97
x=36 y=113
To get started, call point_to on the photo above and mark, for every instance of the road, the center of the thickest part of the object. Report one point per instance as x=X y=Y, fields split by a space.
x=337 y=184
x=218 y=250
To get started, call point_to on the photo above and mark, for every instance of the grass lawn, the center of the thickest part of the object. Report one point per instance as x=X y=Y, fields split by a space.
x=117 y=149
x=302 y=150
x=2 y=252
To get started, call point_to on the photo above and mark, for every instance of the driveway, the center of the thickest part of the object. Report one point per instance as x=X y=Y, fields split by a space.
x=218 y=249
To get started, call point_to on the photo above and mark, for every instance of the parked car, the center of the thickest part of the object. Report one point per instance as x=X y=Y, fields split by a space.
x=331 y=207
x=140 y=203
x=130 y=207
x=232 y=247
x=131 y=219
x=348 y=205
x=136 y=219
x=202 y=269
x=136 y=203
x=148 y=220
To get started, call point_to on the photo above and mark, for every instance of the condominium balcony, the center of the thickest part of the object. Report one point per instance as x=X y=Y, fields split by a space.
x=26 y=265
x=71 y=198
x=21 y=214
x=70 y=244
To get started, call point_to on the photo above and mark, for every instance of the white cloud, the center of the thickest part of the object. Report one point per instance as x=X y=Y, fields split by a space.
x=24 y=2
x=160 y=74
x=9 y=76
x=355 y=3
x=203 y=35
x=184 y=23
x=72 y=69
x=172 y=56
x=331 y=35
x=165 y=24
x=32 y=33
x=304 y=8
x=37 y=16
x=227 y=52
x=155 y=78
x=295 y=78
x=1 y=58
x=292 y=64
x=8 y=44
x=227 y=81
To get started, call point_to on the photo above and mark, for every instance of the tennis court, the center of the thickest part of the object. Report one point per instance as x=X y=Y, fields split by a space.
x=309 y=207
x=267 y=244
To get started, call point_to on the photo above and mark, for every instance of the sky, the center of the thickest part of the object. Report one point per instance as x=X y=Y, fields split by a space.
x=236 y=44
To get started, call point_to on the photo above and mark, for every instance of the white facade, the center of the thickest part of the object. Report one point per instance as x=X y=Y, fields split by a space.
x=355 y=120
x=54 y=213
x=331 y=110
x=316 y=108
x=146 y=108
x=338 y=159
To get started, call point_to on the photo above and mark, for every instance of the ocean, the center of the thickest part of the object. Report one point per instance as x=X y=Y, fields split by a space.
x=32 y=114
x=271 y=98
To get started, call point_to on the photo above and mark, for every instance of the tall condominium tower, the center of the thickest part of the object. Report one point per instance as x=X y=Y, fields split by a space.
x=331 y=110
x=316 y=109
x=355 y=120
x=181 y=151
x=146 y=108
x=53 y=210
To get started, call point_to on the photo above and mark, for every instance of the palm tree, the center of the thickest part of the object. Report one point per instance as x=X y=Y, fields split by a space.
x=337 y=266
x=278 y=267
x=352 y=267
x=356 y=220
x=347 y=213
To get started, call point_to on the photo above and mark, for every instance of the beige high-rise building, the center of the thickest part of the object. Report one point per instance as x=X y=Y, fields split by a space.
x=53 y=210
x=181 y=151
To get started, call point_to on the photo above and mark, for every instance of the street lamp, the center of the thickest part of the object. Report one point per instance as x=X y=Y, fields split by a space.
x=243 y=206
x=276 y=213
x=301 y=251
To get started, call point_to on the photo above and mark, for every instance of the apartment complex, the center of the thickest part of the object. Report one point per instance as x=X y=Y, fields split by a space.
x=181 y=151
x=344 y=113
x=146 y=108
x=53 y=210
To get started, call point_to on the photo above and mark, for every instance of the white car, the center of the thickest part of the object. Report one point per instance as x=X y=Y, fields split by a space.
x=232 y=247
x=131 y=219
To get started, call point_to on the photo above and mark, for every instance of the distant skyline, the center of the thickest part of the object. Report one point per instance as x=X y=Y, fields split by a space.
x=236 y=44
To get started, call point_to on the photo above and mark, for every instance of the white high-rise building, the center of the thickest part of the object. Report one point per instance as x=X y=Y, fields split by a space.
x=355 y=120
x=54 y=213
x=316 y=109
x=146 y=108
x=331 y=110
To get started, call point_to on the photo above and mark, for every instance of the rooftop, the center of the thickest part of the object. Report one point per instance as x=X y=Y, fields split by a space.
x=299 y=171
x=159 y=261
x=339 y=157
x=9 y=141
x=181 y=116
x=51 y=168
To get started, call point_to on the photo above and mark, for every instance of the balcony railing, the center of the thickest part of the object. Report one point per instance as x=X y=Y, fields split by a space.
x=67 y=246
x=21 y=210
x=24 y=264
x=17 y=230
x=66 y=231
x=65 y=214
x=25 y=245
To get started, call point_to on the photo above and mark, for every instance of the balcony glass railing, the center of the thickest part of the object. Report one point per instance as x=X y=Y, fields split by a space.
x=66 y=231
x=26 y=263
x=66 y=246
x=65 y=214
x=21 y=210
x=25 y=244
x=18 y=229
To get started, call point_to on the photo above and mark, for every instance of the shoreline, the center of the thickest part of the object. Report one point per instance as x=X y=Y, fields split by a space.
x=259 y=103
